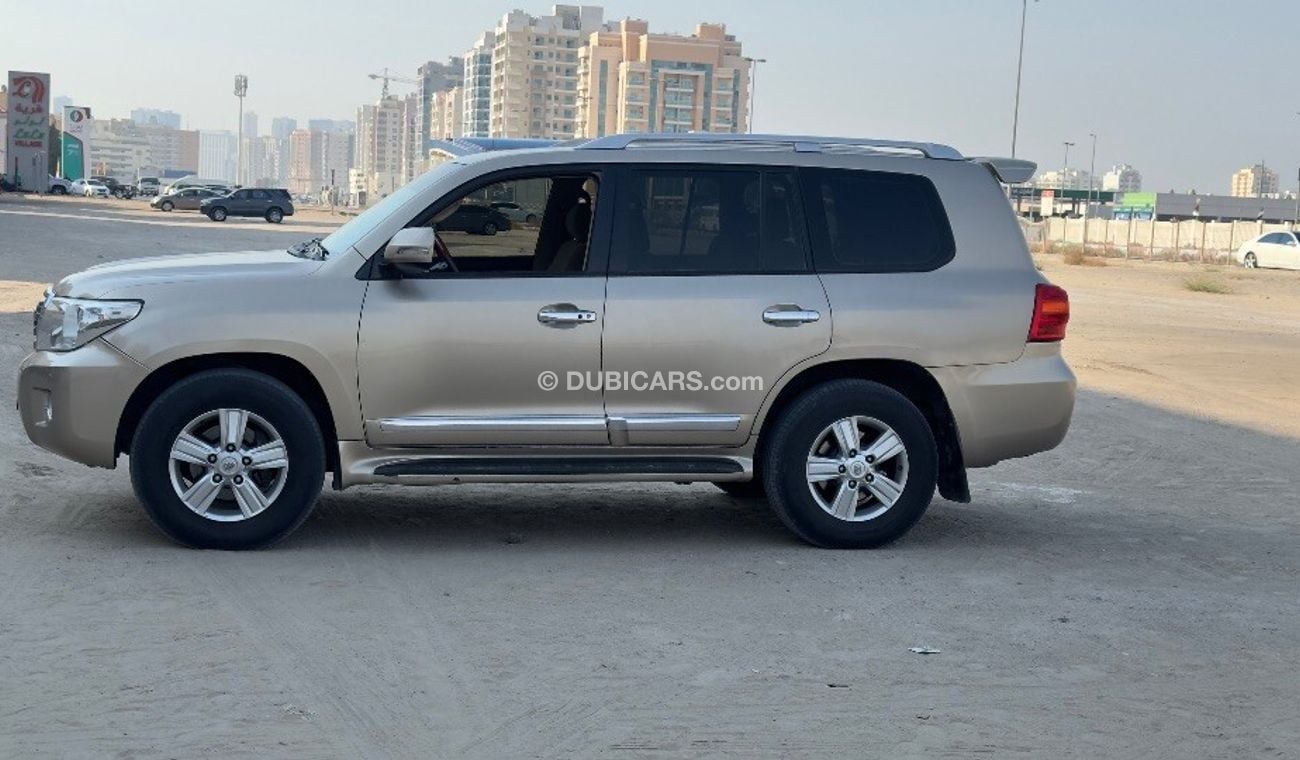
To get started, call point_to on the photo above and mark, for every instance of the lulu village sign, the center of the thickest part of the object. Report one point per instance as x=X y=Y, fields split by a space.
x=76 y=143
x=28 y=131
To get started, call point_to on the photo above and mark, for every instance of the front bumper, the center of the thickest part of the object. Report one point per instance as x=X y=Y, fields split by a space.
x=1010 y=410
x=71 y=402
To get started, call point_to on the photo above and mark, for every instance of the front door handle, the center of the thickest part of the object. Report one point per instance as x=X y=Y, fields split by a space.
x=789 y=315
x=565 y=315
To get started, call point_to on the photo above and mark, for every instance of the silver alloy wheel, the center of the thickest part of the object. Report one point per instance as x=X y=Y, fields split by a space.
x=1251 y=262
x=857 y=468
x=228 y=465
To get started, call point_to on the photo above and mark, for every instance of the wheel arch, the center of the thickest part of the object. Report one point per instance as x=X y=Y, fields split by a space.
x=909 y=379
x=285 y=369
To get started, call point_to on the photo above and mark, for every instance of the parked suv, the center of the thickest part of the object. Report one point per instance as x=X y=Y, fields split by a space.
x=272 y=204
x=840 y=326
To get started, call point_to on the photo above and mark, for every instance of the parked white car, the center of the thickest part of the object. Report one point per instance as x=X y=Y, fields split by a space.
x=59 y=185
x=91 y=188
x=1276 y=250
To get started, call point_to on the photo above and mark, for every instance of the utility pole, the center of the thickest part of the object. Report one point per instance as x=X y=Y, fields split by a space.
x=241 y=89
x=1092 y=167
x=753 y=78
x=1020 y=67
x=1065 y=165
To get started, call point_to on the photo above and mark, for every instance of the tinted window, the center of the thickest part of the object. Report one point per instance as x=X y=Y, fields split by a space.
x=876 y=222
x=672 y=221
x=261 y=195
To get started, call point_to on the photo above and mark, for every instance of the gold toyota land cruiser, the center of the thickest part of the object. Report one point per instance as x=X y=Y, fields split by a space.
x=838 y=325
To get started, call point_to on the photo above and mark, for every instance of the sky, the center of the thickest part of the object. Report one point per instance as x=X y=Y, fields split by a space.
x=1188 y=91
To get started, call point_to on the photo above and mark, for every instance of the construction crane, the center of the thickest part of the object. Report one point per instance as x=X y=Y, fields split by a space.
x=386 y=76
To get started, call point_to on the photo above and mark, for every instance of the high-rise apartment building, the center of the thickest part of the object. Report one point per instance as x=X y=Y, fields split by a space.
x=379 y=143
x=216 y=154
x=282 y=127
x=1063 y=179
x=633 y=81
x=304 y=160
x=435 y=77
x=535 y=71
x=156 y=116
x=1122 y=178
x=123 y=149
x=336 y=149
x=447 y=115
x=477 y=96
x=250 y=124
x=1256 y=181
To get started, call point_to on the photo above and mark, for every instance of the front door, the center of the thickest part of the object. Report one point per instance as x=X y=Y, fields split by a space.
x=479 y=355
x=711 y=299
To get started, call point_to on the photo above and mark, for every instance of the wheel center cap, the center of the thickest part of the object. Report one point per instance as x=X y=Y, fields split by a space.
x=228 y=465
x=857 y=468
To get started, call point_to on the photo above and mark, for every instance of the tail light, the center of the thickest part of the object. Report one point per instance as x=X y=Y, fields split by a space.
x=1051 y=314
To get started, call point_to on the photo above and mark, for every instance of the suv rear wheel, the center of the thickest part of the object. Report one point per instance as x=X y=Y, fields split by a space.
x=217 y=214
x=228 y=459
x=852 y=465
x=274 y=215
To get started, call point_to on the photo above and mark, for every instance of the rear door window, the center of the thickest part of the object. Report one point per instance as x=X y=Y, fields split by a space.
x=674 y=220
x=865 y=221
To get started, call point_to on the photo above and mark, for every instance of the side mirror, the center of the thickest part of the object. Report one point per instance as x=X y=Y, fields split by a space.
x=411 y=245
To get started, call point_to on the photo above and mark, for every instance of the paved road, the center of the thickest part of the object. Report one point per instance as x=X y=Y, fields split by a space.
x=1133 y=593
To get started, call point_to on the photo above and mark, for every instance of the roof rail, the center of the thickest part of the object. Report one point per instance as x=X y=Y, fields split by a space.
x=797 y=143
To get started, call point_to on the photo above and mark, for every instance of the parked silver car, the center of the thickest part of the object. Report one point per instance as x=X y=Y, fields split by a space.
x=840 y=325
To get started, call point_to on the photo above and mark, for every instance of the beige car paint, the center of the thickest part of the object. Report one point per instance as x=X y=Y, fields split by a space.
x=461 y=356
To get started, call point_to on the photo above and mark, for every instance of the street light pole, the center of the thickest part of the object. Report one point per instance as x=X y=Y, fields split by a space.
x=1092 y=167
x=241 y=89
x=1020 y=67
x=753 y=78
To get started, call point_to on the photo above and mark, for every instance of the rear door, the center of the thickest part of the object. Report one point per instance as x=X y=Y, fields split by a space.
x=711 y=299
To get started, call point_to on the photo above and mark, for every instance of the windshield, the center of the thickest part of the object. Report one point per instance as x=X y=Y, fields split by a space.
x=349 y=234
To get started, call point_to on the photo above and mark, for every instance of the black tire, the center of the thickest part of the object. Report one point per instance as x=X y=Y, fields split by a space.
x=746 y=489
x=785 y=463
x=489 y=229
x=218 y=389
x=217 y=214
x=166 y=205
x=1250 y=261
x=58 y=190
x=530 y=219
x=274 y=215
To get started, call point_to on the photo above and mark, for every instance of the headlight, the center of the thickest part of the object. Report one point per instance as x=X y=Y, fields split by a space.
x=63 y=324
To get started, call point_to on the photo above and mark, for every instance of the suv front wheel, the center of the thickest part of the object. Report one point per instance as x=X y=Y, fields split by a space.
x=852 y=465
x=228 y=459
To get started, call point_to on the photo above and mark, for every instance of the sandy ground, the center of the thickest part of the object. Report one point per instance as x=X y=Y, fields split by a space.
x=1138 y=331
x=1133 y=593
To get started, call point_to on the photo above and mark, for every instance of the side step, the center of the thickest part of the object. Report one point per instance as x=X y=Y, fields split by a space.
x=562 y=467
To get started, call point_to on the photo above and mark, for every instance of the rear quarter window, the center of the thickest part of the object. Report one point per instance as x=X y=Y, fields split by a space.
x=863 y=221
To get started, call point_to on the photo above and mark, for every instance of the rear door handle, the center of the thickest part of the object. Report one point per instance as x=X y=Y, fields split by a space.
x=789 y=315
x=565 y=315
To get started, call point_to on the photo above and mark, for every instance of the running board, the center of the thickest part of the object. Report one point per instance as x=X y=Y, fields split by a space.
x=562 y=466
x=418 y=468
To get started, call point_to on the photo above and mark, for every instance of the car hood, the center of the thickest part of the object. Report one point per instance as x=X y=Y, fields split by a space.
x=128 y=279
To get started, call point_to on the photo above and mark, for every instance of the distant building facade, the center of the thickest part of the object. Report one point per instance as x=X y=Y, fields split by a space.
x=630 y=80
x=217 y=150
x=1063 y=179
x=1256 y=181
x=156 y=116
x=379 y=149
x=1122 y=178
x=476 y=120
x=282 y=127
x=535 y=71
